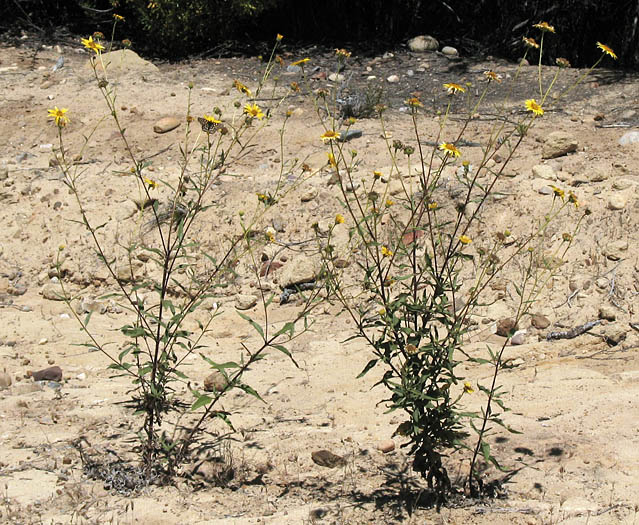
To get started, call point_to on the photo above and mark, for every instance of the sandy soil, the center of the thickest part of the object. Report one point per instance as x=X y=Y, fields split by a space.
x=574 y=401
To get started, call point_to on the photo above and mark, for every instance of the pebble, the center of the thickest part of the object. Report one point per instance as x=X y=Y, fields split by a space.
x=53 y=373
x=629 y=138
x=622 y=184
x=558 y=144
x=309 y=195
x=298 y=270
x=450 y=51
x=540 y=321
x=52 y=292
x=545 y=190
x=423 y=43
x=336 y=77
x=607 y=312
x=505 y=327
x=543 y=171
x=43 y=341
x=215 y=382
x=393 y=79
x=166 y=124
x=519 y=338
x=386 y=446
x=245 y=301
x=81 y=376
x=617 y=201
x=350 y=135
x=325 y=458
x=293 y=69
x=5 y=380
x=614 y=250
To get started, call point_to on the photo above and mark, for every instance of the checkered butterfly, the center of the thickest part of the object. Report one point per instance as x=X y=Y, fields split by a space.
x=208 y=126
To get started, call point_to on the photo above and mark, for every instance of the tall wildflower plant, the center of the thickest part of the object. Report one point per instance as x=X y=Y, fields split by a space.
x=158 y=343
x=422 y=270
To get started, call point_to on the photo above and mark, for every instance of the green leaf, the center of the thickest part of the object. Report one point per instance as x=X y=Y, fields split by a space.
x=257 y=327
x=368 y=366
x=201 y=401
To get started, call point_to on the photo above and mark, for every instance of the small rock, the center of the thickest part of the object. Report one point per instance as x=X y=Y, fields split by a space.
x=166 y=124
x=298 y=270
x=53 y=373
x=614 y=250
x=386 y=446
x=336 y=77
x=519 y=338
x=505 y=327
x=423 y=43
x=81 y=376
x=545 y=190
x=557 y=144
x=607 y=312
x=450 y=51
x=5 y=380
x=325 y=458
x=215 y=382
x=245 y=301
x=52 y=292
x=540 y=321
x=318 y=513
x=43 y=341
x=622 y=184
x=543 y=171
x=293 y=69
x=629 y=138
x=393 y=79
x=350 y=135
x=617 y=201
x=517 y=362
x=309 y=195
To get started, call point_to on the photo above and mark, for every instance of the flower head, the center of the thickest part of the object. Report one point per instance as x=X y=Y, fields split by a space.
x=212 y=119
x=339 y=219
x=386 y=252
x=279 y=37
x=330 y=135
x=389 y=203
x=254 y=111
x=127 y=43
x=377 y=174
x=59 y=115
x=573 y=199
x=241 y=88
x=342 y=53
x=301 y=62
x=464 y=239
x=492 y=76
x=449 y=149
x=414 y=102
x=432 y=205
x=605 y=49
x=530 y=42
x=331 y=160
x=562 y=62
x=558 y=192
x=91 y=44
x=468 y=388
x=454 y=88
x=545 y=26
x=118 y=18
x=150 y=183
x=531 y=105
x=295 y=87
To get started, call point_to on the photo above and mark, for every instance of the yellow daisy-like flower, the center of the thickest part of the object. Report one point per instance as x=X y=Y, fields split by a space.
x=150 y=183
x=464 y=239
x=279 y=37
x=241 y=88
x=468 y=388
x=377 y=174
x=386 y=252
x=558 y=192
x=253 y=110
x=492 y=76
x=212 y=119
x=330 y=135
x=339 y=219
x=331 y=160
x=381 y=311
x=432 y=206
x=414 y=102
x=59 y=115
x=530 y=42
x=454 y=88
x=562 y=62
x=389 y=203
x=270 y=236
x=301 y=62
x=531 y=105
x=91 y=44
x=545 y=26
x=118 y=18
x=450 y=149
x=342 y=53
x=573 y=199
x=608 y=51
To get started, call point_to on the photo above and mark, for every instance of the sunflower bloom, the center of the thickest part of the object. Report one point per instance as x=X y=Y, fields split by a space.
x=59 y=115
x=301 y=62
x=608 y=51
x=464 y=239
x=150 y=183
x=389 y=203
x=432 y=206
x=545 y=26
x=241 y=88
x=339 y=219
x=331 y=160
x=531 y=105
x=91 y=44
x=377 y=174
x=492 y=76
x=454 y=88
x=450 y=149
x=279 y=37
x=558 y=192
x=342 y=53
x=330 y=135
x=530 y=42
x=212 y=119
x=254 y=111
x=386 y=252
x=414 y=102
x=572 y=198
x=468 y=388
x=118 y=18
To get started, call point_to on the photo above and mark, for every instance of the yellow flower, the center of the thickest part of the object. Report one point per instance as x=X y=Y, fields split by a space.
x=253 y=110
x=118 y=18
x=279 y=37
x=241 y=88
x=330 y=135
x=573 y=199
x=150 y=183
x=301 y=62
x=606 y=50
x=464 y=239
x=468 y=388
x=389 y=203
x=386 y=252
x=331 y=160
x=377 y=174
x=381 y=311
x=152 y=5
x=414 y=102
x=558 y=192
x=91 y=44
x=562 y=62
x=295 y=87
x=342 y=53
x=339 y=219
x=492 y=76
x=270 y=236
x=531 y=105
x=59 y=115
x=450 y=149
x=432 y=206
x=530 y=42
x=454 y=88
x=127 y=43
x=212 y=119
x=545 y=26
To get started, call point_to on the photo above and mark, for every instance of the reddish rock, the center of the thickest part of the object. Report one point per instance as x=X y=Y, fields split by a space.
x=53 y=373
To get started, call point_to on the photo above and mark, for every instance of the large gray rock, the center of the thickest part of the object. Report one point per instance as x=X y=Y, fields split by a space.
x=559 y=143
x=423 y=43
x=299 y=270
